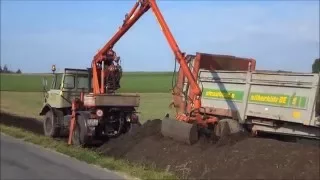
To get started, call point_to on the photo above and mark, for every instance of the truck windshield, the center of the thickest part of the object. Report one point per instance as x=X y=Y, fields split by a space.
x=83 y=82
x=56 y=81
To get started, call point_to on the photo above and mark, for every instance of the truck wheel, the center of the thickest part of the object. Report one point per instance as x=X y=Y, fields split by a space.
x=79 y=136
x=50 y=126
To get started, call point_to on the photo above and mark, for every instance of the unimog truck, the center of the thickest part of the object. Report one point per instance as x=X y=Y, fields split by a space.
x=109 y=116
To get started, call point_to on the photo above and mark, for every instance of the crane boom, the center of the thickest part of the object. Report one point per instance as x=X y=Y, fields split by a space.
x=133 y=16
x=106 y=53
x=136 y=12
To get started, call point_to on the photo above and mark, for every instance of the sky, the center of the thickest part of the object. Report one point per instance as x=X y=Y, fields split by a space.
x=280 y=35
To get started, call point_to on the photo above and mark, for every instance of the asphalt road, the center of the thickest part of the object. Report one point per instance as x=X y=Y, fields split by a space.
x=20 y=160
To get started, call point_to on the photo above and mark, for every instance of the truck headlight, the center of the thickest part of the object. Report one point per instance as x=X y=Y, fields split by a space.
x=99 y=113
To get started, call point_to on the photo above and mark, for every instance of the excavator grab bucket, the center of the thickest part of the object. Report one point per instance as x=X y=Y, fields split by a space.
x=179 y=131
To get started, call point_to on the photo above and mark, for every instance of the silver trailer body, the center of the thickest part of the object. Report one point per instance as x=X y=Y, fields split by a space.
x=282 y=103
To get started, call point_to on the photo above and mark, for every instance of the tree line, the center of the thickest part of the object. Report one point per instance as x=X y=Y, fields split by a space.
x=5 y=69
x=316 y=66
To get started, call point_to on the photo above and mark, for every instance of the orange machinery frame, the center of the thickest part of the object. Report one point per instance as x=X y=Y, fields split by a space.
x=99 y=74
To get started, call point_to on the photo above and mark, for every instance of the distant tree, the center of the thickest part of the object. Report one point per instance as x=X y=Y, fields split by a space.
x=19 y=71
x=5 y=69
x=316 y=66
x=0 y=69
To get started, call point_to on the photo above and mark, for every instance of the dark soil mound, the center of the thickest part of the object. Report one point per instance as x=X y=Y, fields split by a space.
x=26 y=123
x=237 y=157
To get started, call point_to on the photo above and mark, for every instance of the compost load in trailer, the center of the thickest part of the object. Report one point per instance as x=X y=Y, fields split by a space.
x=236 y=157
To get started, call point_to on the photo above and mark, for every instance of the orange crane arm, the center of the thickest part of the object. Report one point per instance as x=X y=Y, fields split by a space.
x=136 y=12
x=133 y=16
x=181 y=58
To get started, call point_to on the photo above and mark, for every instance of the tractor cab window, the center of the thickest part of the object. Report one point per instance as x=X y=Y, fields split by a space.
x=83 y=82
x=68 y=82
x=57 y=81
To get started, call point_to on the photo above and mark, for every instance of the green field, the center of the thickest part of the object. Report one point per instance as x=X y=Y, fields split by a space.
x=29 y=104
x=140 y=82
x=22 y=93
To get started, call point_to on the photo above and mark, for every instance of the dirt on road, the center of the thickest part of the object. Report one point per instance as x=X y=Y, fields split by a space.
x=239 y=157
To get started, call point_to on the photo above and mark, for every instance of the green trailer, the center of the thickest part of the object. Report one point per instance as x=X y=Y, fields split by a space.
x=273 y=102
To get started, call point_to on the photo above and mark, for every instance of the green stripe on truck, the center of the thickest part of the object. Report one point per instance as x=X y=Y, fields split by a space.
x=225 y=94
x=282 y=100
x=278 y=99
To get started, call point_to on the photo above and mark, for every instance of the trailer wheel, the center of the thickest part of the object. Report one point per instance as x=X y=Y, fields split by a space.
x=79 y=136
x=50 y=127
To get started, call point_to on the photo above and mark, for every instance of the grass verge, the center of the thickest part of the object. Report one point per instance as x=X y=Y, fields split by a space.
x=87 y=155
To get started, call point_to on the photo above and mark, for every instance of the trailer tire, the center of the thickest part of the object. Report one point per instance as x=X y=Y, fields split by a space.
x=79 y=136
x=50 y=125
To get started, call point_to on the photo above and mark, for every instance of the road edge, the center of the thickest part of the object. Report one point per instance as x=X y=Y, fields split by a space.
x=21 y=141
x=140 y=171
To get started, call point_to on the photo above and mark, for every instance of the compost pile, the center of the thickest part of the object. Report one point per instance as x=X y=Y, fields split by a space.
x=238 y=157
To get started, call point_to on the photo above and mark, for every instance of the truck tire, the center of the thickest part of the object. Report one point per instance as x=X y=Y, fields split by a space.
x=50 y=125
x=79 y=136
